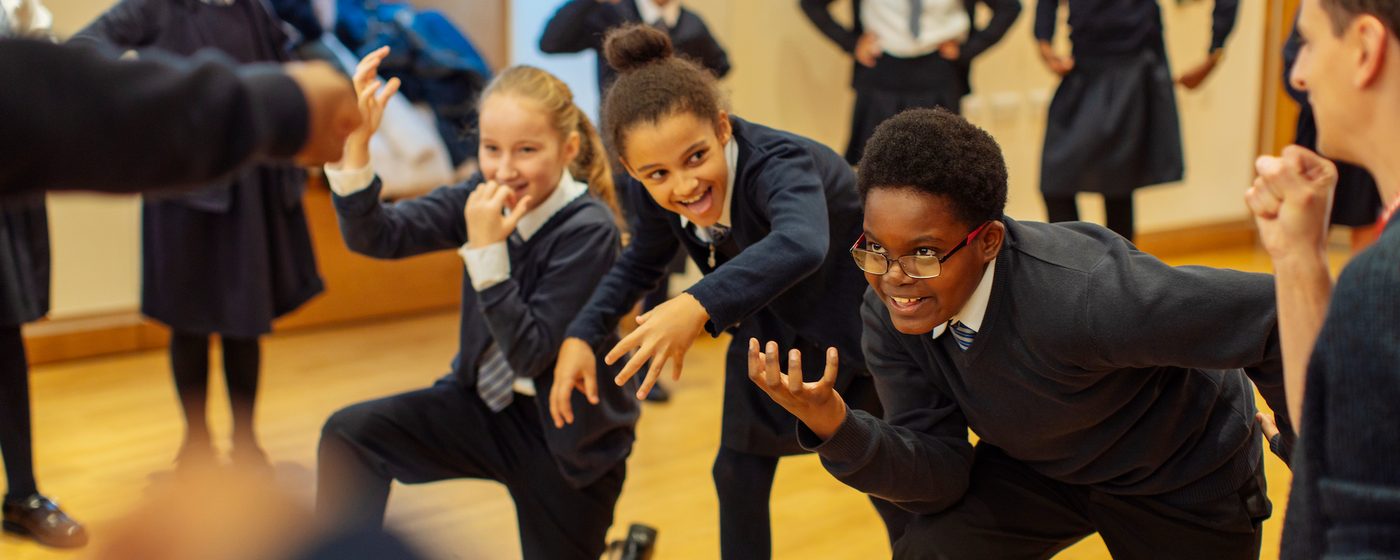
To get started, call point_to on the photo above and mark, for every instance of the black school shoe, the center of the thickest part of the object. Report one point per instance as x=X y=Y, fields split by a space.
x=40 y=519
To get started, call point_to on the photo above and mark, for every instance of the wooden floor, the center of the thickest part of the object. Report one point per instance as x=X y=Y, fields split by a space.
x=103 y=426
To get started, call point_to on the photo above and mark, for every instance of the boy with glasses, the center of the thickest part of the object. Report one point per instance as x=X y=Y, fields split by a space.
x=1111 y=392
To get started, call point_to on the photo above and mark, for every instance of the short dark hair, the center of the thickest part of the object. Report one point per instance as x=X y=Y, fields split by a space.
x=937 y=152
x=1343 y=11
x=652 y=83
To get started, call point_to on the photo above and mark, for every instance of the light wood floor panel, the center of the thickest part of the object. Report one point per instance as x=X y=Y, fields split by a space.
x=103 y=426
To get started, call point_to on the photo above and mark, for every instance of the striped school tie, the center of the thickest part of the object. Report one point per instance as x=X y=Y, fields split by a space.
x=963 y=334
x=495 y=380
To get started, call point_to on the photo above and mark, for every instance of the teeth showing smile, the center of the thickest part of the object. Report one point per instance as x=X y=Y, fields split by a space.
x=698 y=195
x=906 y=301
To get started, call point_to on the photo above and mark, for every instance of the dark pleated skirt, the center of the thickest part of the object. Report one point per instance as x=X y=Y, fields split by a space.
x=1113 y=127
x=229 y=270
x=1356 y=202
x=24 y=260
x=895 y=85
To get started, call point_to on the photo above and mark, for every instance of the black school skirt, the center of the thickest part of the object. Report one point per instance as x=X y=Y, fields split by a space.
x=24 y=260
x=228 y=264
x=895 y=85
x=1113 y=127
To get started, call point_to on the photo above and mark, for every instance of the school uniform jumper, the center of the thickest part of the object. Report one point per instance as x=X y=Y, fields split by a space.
x=230 y=257
x=899 y=82
x=1111 y=394
x=1113 y=125
x=581 y=25
x=782 y=273
x=566 y=481
x=1344 y=501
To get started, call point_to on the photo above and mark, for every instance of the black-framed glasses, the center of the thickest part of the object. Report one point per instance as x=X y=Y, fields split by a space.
x=920 y=267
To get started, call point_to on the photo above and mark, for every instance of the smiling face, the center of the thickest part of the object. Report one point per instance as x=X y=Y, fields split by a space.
x=521 y=149
x=680 y=161
x=905 y=221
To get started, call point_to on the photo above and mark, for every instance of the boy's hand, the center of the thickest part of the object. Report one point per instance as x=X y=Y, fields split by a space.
x=663 y=336
x=817 y=405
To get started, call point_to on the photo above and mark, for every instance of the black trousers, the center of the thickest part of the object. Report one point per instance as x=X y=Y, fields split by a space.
x=1010 y=511
x=444 y=432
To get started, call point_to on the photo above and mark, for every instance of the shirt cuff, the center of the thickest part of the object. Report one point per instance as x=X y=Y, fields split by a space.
x=346 y=182
x=487 y=266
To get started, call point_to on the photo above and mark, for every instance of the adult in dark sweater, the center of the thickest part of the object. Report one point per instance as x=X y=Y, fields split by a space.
x=191 y=121
x=1111 y=392
x=762 y=213
x=535 y=242
x=1113 y=125
x=1340 y=345
x=901 y=65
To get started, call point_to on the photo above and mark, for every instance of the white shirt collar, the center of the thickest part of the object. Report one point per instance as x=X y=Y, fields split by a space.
x=567 y=190
x=731 y=158
x=975 y=310
x=650 y=12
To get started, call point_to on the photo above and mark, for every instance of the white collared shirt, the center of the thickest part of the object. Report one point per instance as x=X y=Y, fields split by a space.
x=939 y=22
x=975 y=310
x=731 y=159
x=489 y=265
x=670 y=13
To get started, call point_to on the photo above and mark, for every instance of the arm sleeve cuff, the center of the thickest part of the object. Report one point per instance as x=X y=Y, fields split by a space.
x=850 y=444
x=346 y=182
x=282 y=117
x=487 y=266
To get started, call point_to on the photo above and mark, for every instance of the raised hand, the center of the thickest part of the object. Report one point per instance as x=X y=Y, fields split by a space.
x=373 y=94
x=1292 y=200
x=576 y=368
x=487 y=223
x=663 y=335
x=816 y=404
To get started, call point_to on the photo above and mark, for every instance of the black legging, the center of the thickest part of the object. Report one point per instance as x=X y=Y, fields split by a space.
x=744 y=483
x=189 y=360
x=16 y=438
x=1118 y=212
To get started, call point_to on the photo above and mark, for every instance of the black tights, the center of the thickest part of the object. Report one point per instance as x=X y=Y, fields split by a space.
x=744 y=483
x=1118 y=211
x=16 y=437
x=189 y=360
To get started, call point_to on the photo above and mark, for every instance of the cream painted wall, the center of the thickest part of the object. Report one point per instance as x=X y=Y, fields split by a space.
x=787 y=75
x=97 y=238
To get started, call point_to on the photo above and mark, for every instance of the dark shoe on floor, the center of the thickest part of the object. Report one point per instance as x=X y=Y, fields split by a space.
x=640 y=543
x=40 y=519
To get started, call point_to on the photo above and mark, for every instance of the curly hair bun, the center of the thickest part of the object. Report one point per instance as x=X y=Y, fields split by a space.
x=630 y=47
